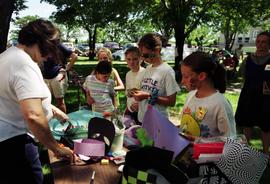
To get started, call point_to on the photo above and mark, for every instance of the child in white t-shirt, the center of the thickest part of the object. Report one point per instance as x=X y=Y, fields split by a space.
x=133 y=80
x=206 y=112
x=159 y=78
x=100 y=89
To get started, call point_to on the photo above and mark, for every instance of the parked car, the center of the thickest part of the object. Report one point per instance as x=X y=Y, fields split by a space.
x=128 y=45
x=69 y=45
x=113 y=46
x=168 y=53
x=98 y=46
x=119 y=55
x=84 y=47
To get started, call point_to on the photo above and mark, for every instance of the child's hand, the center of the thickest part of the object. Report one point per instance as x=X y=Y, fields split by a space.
x=189 y=137
x=134 y=107
x=130 y=92
x=140 y=95
x=107 y=114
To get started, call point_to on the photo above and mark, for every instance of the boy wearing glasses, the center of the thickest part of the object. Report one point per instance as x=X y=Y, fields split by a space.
x=159 y=77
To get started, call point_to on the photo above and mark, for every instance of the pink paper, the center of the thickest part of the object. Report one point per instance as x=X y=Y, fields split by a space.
x=89 y=147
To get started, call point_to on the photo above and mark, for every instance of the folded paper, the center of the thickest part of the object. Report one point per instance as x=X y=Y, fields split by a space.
x=89 y=147
x=164 y=133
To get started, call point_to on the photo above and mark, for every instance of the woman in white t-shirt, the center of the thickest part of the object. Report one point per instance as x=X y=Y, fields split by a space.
x=25 y=104
x=206 y=112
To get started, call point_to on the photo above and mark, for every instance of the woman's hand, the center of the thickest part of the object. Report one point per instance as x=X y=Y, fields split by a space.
x=64 y=153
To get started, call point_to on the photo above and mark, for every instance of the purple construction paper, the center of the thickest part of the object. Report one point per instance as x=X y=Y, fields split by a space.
x=164 y=133
x=89 y=147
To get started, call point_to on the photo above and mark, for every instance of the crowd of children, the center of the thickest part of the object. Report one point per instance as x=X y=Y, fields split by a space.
x=206 y=111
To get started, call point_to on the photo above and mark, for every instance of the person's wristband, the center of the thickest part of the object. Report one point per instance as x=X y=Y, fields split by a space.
x=153 y=97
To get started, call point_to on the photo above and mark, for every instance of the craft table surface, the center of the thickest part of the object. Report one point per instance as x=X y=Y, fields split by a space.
x=65 y=173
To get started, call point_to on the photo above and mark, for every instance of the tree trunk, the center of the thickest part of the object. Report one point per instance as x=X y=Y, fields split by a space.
x=232 y=41
x=6 y=10
x=94 y=43
x=229 y=36
x=92 y=32
x=179 y=31
x=89 y=42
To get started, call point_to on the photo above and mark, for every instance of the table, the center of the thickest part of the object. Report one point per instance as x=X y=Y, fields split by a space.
x=64 y=173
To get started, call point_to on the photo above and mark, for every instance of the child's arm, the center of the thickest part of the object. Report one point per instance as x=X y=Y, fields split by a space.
x=114 y=100
x=86 y=85
x=89 y=98
x=167 y=100
x=119 y=84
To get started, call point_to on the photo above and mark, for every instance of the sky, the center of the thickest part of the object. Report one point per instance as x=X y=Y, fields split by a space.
x=43 y=9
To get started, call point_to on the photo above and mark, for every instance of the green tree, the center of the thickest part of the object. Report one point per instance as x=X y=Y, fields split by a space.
x=69 y=32
x=204 y=31
x=160 y=20
x=90 y=14
x=7 y=7
x=125 y=32
x=183 y=16
x=235 y=16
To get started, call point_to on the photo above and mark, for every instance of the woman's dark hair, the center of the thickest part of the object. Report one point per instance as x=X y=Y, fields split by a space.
x=151 y=41
x=44 y=34
x=202 y=62
x=103 y=67
x=133 y=50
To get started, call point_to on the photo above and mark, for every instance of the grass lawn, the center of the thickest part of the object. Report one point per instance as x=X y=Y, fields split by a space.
x=83 y=67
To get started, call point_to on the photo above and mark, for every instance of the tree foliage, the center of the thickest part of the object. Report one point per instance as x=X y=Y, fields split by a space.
x=184 y=16
x=181 y=15
x=6 y=10
x=126 y=32
x=207 y=34
x=235 y=16
x=90 y=14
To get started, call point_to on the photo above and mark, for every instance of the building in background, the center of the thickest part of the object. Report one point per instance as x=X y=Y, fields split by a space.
x=248 y=40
